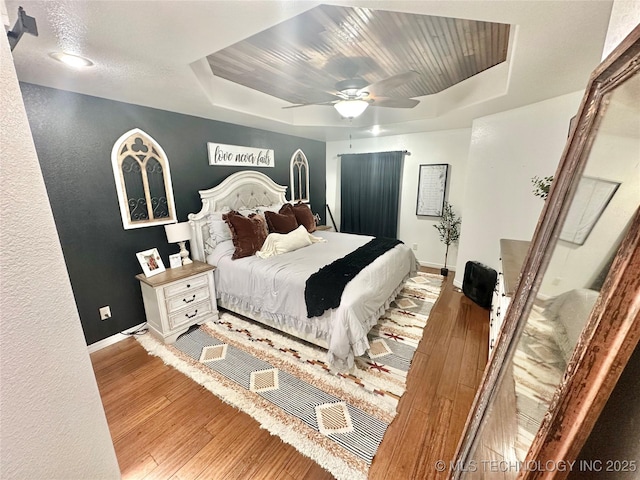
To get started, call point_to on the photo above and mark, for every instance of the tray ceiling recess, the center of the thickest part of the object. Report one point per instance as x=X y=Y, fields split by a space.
x=330 y=53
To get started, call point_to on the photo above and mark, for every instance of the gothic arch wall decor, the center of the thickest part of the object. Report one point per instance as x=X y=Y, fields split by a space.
x=143 y=181
x=299 y=171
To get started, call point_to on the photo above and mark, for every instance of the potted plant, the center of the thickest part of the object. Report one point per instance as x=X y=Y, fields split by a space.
x=541 y=186
x=449 y=229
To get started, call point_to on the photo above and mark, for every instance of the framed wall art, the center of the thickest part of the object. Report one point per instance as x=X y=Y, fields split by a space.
x=238 y=156
x=432 y=187
x=590 y=200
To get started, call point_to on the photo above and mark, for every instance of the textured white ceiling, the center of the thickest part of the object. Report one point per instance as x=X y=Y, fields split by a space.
x=151 y=53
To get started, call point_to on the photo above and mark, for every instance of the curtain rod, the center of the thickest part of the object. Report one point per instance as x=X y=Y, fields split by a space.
x=406 y=152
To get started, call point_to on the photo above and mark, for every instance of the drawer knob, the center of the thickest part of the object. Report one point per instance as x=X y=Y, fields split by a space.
x=191 y=316
x=188 y=285
x=189 y=300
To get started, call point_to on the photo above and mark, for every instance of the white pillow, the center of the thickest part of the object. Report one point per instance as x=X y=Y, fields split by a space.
x=218 y=229
x=271 y=208
x=278 y=243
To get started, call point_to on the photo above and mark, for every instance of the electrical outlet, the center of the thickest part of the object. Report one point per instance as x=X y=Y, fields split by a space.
x=414 y=246
x=105 y=313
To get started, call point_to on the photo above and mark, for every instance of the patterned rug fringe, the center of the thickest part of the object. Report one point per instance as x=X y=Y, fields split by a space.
x=337 y=466
x=371 y=390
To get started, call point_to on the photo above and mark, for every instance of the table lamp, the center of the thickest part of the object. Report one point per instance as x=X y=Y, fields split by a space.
x=180 y=233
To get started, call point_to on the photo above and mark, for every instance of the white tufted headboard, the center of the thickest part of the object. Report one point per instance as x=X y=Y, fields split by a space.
x=243 y=190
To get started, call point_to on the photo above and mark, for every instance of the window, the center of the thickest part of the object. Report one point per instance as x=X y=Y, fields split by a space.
x=299 y=177
x=143 y=181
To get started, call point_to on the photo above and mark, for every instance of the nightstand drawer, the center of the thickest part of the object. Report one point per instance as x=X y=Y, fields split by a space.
x=187 y=298
x=190 y=315
x=185 y=286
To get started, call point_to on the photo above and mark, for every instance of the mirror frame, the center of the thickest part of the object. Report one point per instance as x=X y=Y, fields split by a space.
x=613 y=329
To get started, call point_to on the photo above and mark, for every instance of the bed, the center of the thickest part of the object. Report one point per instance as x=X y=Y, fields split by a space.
x=272 y=290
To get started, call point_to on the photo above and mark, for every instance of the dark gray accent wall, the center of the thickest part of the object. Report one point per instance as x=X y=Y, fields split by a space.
x=74 y=135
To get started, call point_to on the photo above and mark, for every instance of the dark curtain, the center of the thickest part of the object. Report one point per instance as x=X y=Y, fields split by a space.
x=370 y=193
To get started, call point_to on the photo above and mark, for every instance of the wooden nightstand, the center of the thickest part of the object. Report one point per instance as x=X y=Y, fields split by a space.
x=179 y=298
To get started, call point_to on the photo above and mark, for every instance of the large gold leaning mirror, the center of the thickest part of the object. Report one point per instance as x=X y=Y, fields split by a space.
x=574 y=319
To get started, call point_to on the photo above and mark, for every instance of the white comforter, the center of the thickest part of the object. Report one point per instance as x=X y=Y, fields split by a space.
x=274 y=288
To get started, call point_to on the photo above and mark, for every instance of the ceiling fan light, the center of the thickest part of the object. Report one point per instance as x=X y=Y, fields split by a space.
x=351 y=108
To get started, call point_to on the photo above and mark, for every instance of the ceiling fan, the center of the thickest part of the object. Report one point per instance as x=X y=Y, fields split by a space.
x=354 y=95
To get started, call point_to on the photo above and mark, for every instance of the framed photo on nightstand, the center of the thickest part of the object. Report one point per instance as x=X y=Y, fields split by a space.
x=150 y=262
x=175 y=260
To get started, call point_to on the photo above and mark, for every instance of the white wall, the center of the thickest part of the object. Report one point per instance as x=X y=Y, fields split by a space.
x=53 y=424
x=508 y=149
x=447 y=146
x=625 y=16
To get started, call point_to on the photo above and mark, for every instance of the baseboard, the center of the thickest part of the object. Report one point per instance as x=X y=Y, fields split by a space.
x=434 y=265
x=458 y=284
x=118 y=337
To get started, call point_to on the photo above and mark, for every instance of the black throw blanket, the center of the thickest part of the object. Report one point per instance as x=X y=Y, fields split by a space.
x=324 y=288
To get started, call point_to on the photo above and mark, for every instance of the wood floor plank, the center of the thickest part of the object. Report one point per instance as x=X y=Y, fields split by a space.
x=299 y=466
x=246 y=451
x=215 y=454
x=127 y=419
x=140 y=469
x=131 y=361
x=470 y=352
x=403 y=461
x=449 y=382
x=461 y=404
x=270 y=451
x=192 y=434
x=183 y=449
x=113 y=353
x=190 y=412
x=434 y=442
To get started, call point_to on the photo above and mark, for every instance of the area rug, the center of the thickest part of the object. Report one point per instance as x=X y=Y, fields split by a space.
x=337 y=419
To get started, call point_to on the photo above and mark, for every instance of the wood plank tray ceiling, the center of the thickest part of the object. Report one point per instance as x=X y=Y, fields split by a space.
x=301 y=60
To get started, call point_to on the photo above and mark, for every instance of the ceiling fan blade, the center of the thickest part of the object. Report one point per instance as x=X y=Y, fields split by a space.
x=394 y=102
x=308 y=104
x=388 y=84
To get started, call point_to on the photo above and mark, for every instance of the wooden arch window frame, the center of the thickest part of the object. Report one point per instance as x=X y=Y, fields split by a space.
x=612 y=331
x=299 y=175
x=143 y=181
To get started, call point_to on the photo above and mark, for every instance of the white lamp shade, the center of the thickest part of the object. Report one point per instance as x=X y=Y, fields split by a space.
x=178 y=232
x=351 y=108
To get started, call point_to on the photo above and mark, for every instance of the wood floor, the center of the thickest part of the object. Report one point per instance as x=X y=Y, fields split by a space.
x=165 y=426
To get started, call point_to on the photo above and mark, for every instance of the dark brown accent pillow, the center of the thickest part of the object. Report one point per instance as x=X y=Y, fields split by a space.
x=304 y=216
x=248 y=233
x=283 y=222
